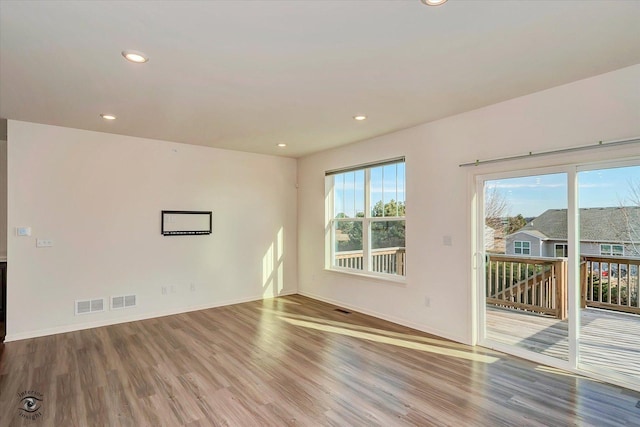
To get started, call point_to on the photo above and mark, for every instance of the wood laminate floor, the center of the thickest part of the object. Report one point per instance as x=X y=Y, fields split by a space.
x=289 y=361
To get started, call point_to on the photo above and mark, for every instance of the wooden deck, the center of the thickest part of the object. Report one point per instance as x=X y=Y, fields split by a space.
x=608 y=339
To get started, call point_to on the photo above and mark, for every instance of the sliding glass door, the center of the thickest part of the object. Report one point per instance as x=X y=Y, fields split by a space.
x=609 y=271
x=525 y=269
x=559 y=268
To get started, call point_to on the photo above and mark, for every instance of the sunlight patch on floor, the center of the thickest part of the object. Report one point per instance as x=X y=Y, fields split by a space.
x=400 y=335
x=277 y=301
x=393 y=341
x=556 y=371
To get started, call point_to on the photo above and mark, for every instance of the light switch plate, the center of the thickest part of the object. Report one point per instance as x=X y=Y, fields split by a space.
x=23 y=231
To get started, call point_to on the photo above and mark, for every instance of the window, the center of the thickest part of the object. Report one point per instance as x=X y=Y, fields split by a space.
x=612 y=250
x=561 y=250
x=367 y=218
x=522 y=248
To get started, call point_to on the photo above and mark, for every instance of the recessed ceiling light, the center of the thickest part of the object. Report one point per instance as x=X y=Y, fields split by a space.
x=433 y=2
x=282 y=145
x=108 y=116
x=360 y=117
x=135 y=56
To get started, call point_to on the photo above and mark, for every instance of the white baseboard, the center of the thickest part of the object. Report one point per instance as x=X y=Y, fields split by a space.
x=133 y=318
x=393 y=319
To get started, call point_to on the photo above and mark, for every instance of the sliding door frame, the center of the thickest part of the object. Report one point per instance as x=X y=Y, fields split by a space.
x=483 y=341
x=479 y=292
x=585 y=369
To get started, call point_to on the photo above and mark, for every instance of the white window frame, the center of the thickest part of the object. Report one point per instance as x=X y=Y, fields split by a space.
x=611 y=251
x=522 y=247
x=366 y=221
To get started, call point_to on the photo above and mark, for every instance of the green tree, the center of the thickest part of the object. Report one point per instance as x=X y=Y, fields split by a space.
x=384 y=234
x=515 y=223
x=350 y=229
x=392 y=208
x=387 y=234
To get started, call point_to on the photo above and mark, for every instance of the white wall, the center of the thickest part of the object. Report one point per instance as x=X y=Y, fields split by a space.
x=3 y=198
x=99 y=196
x=440 y=193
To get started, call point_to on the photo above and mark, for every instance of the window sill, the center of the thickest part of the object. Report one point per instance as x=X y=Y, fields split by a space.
x=396 y=280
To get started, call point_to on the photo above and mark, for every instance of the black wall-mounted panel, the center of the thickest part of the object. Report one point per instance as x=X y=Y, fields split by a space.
x=186 y=223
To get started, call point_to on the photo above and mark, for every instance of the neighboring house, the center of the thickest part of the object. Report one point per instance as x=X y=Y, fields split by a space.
x=612 y=231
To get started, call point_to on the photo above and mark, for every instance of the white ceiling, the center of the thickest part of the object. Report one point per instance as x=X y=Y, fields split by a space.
x=246 y=75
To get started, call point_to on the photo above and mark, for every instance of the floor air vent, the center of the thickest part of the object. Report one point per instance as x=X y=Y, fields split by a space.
x=343 y=311
x=123 y=301
x=89 y=306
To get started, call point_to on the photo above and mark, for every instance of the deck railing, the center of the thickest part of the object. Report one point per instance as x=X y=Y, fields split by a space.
x=385 y=260
x=611 y=282
x=532 y=284
x=540 y=284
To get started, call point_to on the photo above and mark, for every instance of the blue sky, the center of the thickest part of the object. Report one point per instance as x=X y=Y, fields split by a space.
x=529 y=196
x=532 y=195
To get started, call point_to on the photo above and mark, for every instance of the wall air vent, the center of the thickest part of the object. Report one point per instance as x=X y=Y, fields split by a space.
x=117 y=303
x=130 y=301
x=123 y=301
x=95 y=305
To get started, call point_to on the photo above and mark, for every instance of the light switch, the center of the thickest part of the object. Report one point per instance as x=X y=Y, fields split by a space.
x=446 y=241
x=23 y=231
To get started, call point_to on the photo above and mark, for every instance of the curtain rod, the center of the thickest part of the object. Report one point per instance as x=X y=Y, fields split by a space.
x=563 y=150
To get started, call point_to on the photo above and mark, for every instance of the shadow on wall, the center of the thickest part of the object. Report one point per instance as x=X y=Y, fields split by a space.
x=273 y=267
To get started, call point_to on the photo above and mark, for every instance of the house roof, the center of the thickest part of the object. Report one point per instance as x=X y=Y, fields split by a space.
x=610 y=224
x=532 y=232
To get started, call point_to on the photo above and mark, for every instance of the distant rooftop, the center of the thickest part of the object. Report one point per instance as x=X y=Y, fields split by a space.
x=610 y=224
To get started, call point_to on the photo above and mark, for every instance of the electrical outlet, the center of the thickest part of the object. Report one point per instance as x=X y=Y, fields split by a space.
x=193 y=287
x=427 y=302
x=44 y=243
x=163 y=290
